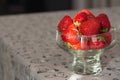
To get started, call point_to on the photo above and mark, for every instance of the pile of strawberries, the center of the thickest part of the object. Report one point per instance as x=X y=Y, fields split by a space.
x=85 y=31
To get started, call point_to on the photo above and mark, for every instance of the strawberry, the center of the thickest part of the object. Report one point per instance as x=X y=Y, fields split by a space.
x=90 y=15
x=64 y=23
x=97 y=42
x=76 y=46
x=89 y=27
x=80 y=17
x=83 y=16
x=72 y=26
x=82 y=45
x=108 y=38
x=104 y=22
x=70 y=35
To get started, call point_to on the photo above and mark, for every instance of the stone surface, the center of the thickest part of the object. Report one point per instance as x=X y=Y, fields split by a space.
x=28 y=50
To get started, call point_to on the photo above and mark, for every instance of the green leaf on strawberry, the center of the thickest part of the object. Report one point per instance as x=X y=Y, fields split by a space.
x=66 y=44
x=77 y=23
x=103 y=30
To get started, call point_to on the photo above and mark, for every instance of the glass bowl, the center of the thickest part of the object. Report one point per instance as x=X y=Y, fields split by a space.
x=86 y=53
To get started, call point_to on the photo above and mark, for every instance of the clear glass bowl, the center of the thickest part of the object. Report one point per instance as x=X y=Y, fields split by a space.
x=87 y=61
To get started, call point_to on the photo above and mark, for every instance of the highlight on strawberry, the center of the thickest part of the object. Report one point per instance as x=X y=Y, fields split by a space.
x=85 y=31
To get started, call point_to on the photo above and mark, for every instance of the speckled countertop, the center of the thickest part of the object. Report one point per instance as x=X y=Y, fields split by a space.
x=28 y=50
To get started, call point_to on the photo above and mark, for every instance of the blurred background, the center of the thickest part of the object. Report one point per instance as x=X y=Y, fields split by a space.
x=30 y=6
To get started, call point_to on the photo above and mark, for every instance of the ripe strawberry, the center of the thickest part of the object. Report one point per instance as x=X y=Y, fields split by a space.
x=76 y=46
x=70 y=35
x=72 y=26
x=64 y=23
x=89 y=27
x=90 y=15
x=80 y=17
x=108 y=38
x=104 y=22
x=83 y=16
x=97 y=42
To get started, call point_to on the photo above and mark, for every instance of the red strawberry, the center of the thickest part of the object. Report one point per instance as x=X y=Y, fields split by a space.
x=72 y=26
x=80 y=17
x=64 y=23
x=90 y=15
x=76 y=46
x=108 y=38
x=89 y=27
x=97 y=42
x=104 y=22
x=70 y=35
x=83 y=16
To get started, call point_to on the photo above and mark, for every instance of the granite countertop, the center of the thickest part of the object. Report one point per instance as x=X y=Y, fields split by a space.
x=28 y=50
